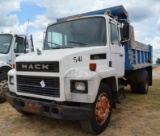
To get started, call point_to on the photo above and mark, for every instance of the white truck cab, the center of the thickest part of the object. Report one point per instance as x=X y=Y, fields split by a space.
x=11 y=46
x=86 y=62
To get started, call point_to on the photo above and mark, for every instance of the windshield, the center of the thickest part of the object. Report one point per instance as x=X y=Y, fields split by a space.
x=77 y=33
x=5 y=41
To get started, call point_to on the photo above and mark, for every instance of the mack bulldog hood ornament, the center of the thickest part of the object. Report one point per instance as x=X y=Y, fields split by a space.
x=39 y=52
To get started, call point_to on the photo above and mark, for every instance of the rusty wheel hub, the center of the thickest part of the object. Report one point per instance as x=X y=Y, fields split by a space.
x=102 y=108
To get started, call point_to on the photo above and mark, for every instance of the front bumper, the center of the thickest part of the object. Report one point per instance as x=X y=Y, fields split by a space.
x=50 y=109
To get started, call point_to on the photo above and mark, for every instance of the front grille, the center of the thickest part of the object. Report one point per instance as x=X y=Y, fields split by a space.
x=38 y=66
x=31 y=85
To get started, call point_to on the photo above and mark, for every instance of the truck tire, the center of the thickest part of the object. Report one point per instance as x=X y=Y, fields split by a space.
x=3 y=87
x=134 y=87
x=143 y=86
x=102 y=111
x=2 y=99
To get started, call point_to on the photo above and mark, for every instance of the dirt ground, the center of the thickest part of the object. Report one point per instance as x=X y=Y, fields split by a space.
x=156 y=72
x=139 y=115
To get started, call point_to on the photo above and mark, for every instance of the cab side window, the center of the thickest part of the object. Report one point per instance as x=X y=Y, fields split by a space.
x=114 y=35
x=19 y=45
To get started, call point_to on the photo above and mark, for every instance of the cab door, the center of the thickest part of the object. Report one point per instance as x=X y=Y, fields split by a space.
x=18 y=47
x=117 y=50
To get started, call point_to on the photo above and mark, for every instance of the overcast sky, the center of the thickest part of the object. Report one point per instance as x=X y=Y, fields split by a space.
x=144 y=16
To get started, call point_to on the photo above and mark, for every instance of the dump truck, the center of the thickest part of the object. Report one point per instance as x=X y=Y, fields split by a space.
x=86 y=61
x=11 y=46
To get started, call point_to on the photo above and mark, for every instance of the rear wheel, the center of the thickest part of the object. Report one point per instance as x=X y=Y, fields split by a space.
x=3 y=87
x=102 y=111
x=143 y=86
x=134 y=87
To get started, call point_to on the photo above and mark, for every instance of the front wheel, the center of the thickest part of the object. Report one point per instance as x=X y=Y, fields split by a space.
x=3 y=87
x=102 y=111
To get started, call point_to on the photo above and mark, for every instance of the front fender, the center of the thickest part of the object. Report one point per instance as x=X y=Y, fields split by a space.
x=4 y=64
x=82 y=73
x=92 y=77
x=4 y=68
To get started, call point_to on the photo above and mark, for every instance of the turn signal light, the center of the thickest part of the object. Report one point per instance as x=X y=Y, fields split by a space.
x=92 y=66
x=14 y=66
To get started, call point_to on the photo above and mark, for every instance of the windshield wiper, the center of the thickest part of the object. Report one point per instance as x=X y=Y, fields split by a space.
x=79 y=43
x=56 y=44
x=62 y=47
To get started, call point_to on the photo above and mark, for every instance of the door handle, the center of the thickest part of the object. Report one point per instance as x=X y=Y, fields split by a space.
x=121 y=55
x=17 y=55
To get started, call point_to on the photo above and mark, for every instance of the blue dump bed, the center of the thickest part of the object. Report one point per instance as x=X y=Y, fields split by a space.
x=118 y=11
x=137 y=55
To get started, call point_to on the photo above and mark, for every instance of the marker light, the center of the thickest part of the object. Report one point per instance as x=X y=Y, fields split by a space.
x=79 y=16
x=107 y=12
x=66 y=19
x=92 y=66
x=73 y=17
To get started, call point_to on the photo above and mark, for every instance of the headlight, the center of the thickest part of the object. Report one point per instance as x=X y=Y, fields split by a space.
x=11 y=80
x=79 y=86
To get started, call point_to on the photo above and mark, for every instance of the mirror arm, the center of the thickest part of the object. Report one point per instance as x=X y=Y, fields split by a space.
x=25 y=42
x=123 y=42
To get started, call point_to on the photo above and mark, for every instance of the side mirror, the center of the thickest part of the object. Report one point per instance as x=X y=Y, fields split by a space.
x=125 y=31
x=32 y=46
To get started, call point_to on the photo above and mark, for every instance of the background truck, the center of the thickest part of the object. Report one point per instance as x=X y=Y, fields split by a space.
x=86 y=62
x=11 y=46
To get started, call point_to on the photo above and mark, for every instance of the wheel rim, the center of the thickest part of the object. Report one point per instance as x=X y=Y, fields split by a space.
x=3 y=88
x=102 y=108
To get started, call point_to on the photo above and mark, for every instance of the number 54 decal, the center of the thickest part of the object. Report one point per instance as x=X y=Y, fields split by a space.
x=77 y=59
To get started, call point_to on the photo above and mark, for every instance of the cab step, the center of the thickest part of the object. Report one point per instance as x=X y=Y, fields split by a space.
x=121 y=95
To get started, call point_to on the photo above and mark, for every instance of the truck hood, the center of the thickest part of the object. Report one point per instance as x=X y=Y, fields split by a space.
x=53 y=55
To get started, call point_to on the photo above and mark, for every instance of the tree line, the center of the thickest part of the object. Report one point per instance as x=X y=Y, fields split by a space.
x=158 y=61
